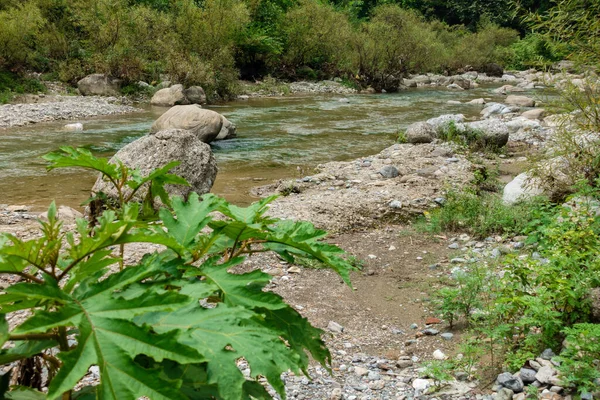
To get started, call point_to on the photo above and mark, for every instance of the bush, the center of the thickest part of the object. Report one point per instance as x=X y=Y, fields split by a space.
x=579 y=360
x=316 y=36
x=534 y=51
x=174 y=325
x=482 y=215
x=19 y=31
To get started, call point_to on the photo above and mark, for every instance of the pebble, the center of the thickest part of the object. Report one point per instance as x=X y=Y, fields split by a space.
x=389 y=171
x=439 y=355
x=421 y=384
x=447 y=336
x=454 y=246
x=431 y=332
x=395 y=204
x=335 y=327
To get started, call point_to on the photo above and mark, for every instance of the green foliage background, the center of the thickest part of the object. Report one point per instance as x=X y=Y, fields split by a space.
x=215 y=42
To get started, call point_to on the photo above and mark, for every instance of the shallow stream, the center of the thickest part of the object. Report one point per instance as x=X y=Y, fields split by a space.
x=277 y=138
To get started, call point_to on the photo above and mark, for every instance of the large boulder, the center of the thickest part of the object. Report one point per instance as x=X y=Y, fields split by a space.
x=197 y=164
x=493 y=131
x=523 y=187
x=227 y=130
x=99 y=85
x=420 y=132
x=521 y=101
x=169 y=97
x=195 y=95
x=205 y=124
x=493 y=69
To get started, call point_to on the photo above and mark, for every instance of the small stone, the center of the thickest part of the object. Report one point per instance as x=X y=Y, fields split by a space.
x=335 y=327
x=458 y=260
x=373 y=376
x=504 y=394
x=404 y=364
x=414 y=326
x=586 y=396
x=545 y=374
x=556 y=389
x=421 y=384
x=534 y=365
x=294 y=270
x=389 y=171
x=447 y=336
x=510 y=381
x=360 y=371
x=377 y=385
x=454 y=246
x=439 y=355
x=547 y=354
x=440 y=200
x=432 y=320
x=431 y=332
x=336 y=394
x=527 y=375
x=395 y=204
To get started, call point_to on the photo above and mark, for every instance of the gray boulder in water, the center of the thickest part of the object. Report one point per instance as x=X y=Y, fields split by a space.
x=99 y=85
x=197 y=163
x=205 y=124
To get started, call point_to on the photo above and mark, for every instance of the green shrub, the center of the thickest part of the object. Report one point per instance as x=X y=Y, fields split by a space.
x=482 y=215
x=579 y=360
x=19 y=30
x=534 y=51
x=316 y=37
x=173 y=326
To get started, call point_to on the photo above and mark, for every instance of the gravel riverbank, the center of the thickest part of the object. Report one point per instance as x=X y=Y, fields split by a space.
x=53 y=108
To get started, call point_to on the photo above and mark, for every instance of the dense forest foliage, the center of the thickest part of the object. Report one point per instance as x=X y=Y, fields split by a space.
x=215 y=42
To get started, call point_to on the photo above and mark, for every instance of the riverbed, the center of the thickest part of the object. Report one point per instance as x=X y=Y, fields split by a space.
x=277 y=138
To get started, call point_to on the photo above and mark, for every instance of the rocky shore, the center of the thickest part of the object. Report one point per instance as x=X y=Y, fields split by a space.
x=53 y=108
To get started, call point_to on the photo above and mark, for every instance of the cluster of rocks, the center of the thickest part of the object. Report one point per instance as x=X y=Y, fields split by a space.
x=61 y=108
x=540 y=376
x=180 y=134
x=400 y=182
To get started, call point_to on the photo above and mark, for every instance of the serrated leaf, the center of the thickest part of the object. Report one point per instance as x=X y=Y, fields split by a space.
x=251 y=214
x=71 y=157
x=239 y=289
x=189 y=217
x=107 y=337
x=301 y=238
x=226 y=334
x=299 y=334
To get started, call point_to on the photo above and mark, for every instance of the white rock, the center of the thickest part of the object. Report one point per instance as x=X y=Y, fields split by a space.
x=421 y=384
x=77 y=127
x=439 y=355
x=520 y=188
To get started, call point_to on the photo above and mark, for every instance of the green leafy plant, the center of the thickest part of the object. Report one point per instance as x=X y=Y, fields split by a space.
x=579 y=360
x=174 y=325
x=439 y=371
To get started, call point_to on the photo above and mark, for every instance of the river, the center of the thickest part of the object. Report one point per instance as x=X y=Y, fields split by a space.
x=277 y=138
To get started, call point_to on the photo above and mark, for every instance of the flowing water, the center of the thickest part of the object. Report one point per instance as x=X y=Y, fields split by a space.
x=277 y=138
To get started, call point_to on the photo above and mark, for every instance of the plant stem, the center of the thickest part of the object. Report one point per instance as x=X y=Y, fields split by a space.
x=121 y=254
x=35 y=336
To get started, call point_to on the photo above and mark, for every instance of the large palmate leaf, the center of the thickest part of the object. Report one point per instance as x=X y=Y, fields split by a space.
x=71 y=157
x=226 y=334
x=107 y=337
